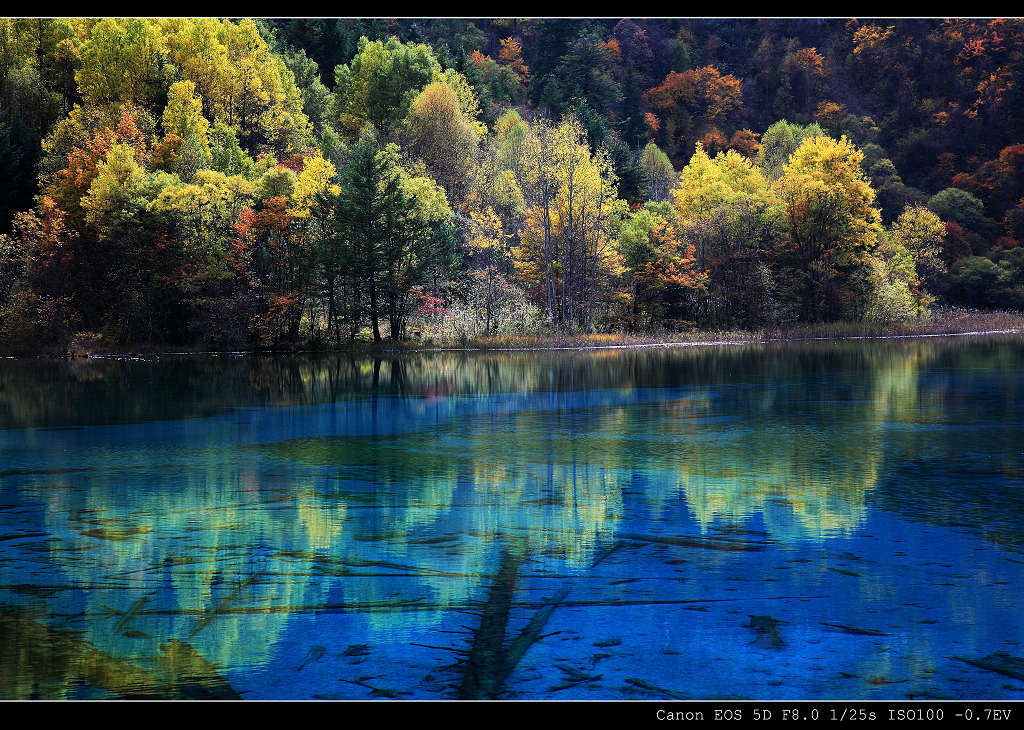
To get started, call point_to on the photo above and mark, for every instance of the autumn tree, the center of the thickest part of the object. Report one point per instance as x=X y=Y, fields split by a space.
x=240 y=81
x=270 y=267
x=659 y=175
x=660 y=270
x=565 y=251
x=692 y=104
x=921 y=233
x=834 y=228
x=487 y=239
x=379 y=85
x=732 y=218
x=802 y=74
x=497 y=85
x=199 y=217
x=512 y=56
x=444 y=138
x=780 y=141
x=123 y=60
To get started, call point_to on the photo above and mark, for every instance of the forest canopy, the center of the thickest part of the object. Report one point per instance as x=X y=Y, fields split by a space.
x=283 y=183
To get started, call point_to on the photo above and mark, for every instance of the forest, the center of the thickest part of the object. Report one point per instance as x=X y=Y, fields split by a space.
x=319 y=183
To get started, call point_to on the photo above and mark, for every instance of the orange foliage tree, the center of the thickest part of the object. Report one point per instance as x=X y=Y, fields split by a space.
x=692 y=104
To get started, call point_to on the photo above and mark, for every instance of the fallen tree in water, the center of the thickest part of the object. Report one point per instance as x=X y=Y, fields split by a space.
x=490 y=661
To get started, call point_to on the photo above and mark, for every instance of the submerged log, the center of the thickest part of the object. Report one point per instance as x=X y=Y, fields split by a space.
x=767 y=631
x=531 y=633
x=490 y=661
x=1000 y=662
x=854 y=630
x=212 y=613
x=483 y=674
x=655 y=689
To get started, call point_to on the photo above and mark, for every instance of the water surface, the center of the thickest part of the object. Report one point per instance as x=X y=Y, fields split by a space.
x=815 y=520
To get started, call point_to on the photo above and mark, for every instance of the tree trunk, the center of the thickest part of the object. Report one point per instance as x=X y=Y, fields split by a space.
x=374 y=314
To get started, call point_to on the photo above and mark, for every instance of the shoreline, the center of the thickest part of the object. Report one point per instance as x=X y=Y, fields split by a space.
x=972 y=326
x=710 y=343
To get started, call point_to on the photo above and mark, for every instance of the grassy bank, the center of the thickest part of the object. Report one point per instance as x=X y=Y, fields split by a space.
x=950 y=323
x=943 y=322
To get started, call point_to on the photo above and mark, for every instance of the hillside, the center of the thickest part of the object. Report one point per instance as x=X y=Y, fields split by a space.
x=283 y=183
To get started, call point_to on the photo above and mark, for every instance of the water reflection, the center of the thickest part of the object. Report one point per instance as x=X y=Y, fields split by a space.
x=281 y=523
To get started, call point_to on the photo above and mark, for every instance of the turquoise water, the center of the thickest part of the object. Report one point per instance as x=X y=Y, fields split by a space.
x=816 y=520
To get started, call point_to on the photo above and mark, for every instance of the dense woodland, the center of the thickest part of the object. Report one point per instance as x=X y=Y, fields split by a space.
x=283 y=183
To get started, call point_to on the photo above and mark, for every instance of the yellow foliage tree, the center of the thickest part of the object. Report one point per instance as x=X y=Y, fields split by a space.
x=834 y=226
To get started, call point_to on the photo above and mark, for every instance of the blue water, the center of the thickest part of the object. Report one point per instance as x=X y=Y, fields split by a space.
x=330 y=527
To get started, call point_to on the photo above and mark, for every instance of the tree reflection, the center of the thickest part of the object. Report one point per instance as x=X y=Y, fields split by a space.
x=384 y=488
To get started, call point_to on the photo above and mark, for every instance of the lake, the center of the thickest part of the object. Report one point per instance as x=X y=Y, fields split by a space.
x=782 y=521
